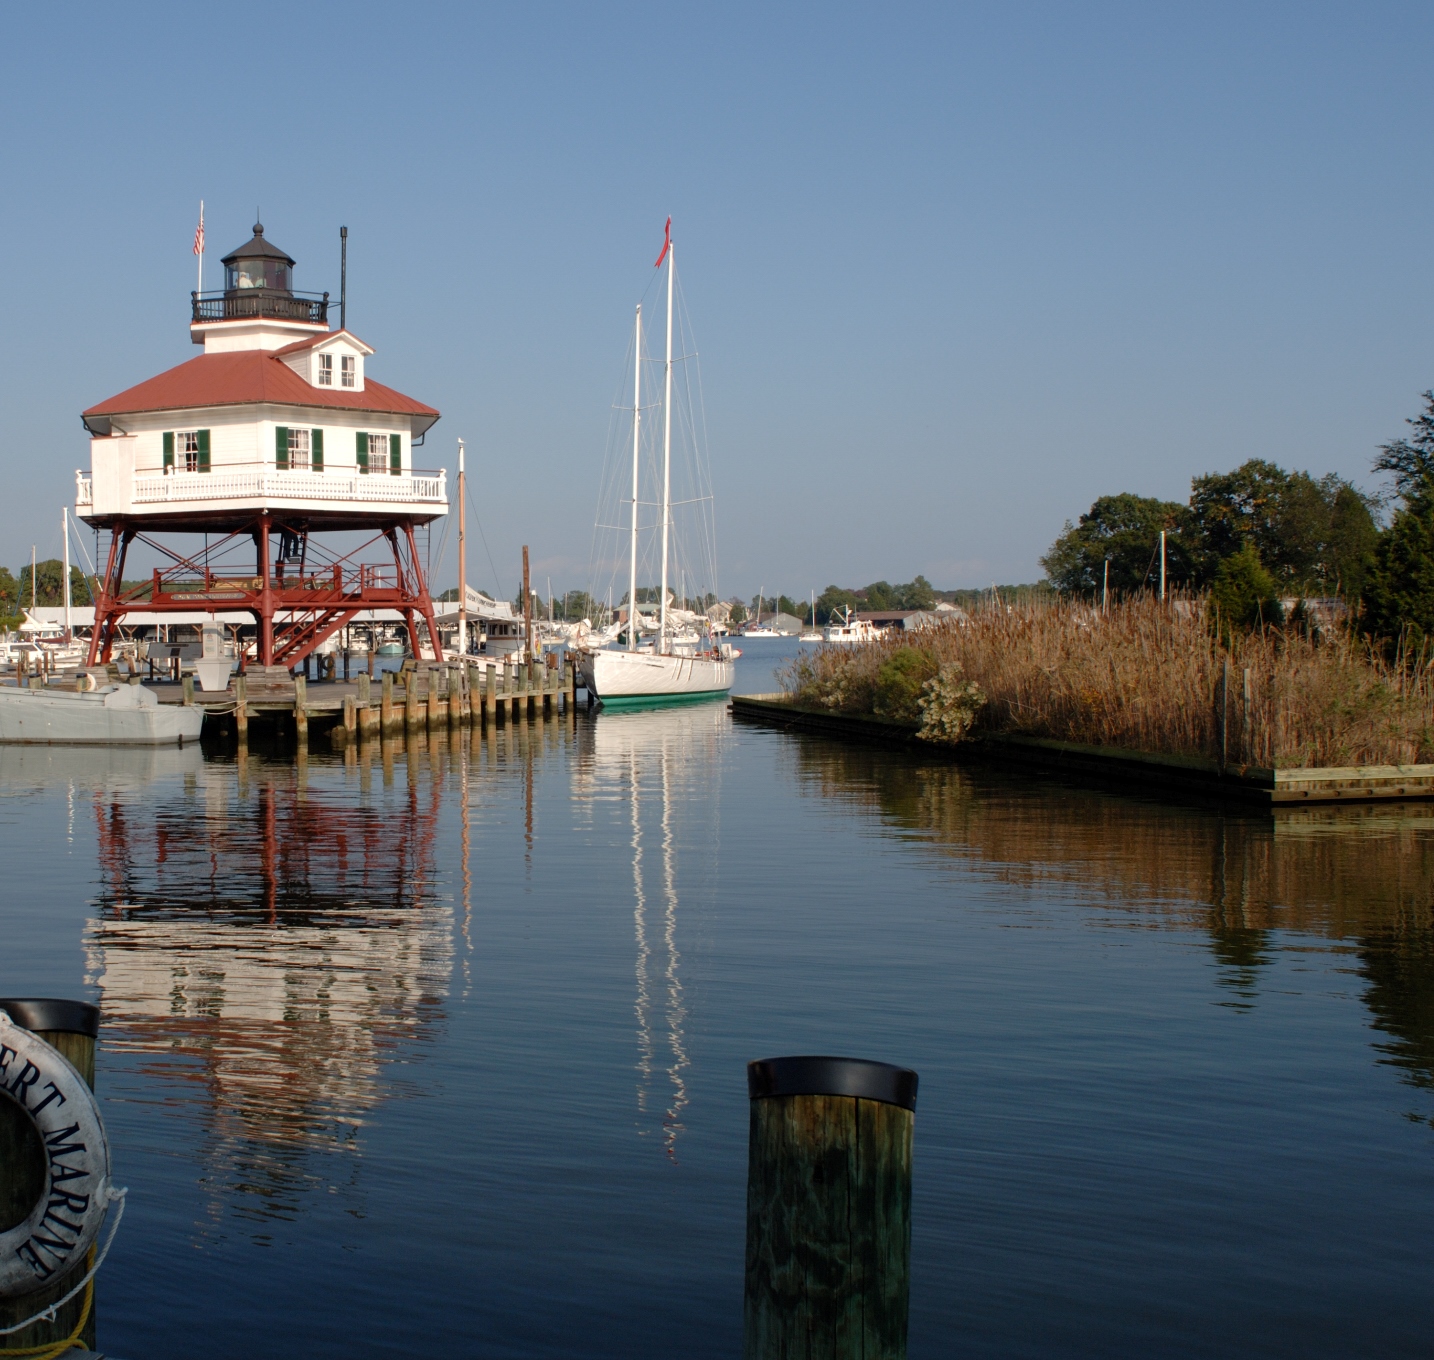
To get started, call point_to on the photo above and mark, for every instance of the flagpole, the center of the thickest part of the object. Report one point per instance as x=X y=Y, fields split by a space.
x=200 y=252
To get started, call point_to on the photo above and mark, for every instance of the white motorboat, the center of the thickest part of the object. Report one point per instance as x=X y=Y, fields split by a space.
x=677 y=665
x=851 y=630
x=113 y=715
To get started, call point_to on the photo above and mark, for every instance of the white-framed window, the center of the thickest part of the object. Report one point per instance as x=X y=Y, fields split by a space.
x=188 y=442
x=299 y=450
x=347 y=367
x=326 y=370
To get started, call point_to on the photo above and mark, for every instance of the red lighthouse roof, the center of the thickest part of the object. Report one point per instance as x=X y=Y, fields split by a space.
x=248 y=377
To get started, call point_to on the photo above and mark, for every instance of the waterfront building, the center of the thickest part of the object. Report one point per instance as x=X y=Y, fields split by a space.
x=276 y=445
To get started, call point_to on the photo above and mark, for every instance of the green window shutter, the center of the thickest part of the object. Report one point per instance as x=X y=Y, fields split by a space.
x=203 y=450
x=316 y=450
x=395 y=454
x=169 y=450
x=362 y=451
x=281 y=448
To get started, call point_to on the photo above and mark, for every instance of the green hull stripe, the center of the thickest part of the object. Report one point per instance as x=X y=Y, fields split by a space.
x=662 y=700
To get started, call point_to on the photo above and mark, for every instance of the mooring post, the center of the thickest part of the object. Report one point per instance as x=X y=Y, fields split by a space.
x=1222 y=714
x=1247 y=754
x=437 y=704
x=490 y=693
x=386 y=705
x=365 y=688
x=188 y=688
x=828 y=1209
x=241 y=708
x=573 y=681
x=71 y=1028
x=413 y=716
x=350 y=718
x=301 y=711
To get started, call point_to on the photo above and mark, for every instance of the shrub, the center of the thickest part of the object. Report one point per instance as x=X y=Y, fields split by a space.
x=900 y=681
x=949 y=705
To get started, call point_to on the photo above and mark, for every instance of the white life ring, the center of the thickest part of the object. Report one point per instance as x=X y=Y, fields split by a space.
x=64 y=1223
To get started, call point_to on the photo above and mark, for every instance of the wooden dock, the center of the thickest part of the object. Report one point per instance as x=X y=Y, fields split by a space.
x=1185 y=774
x=423 y=697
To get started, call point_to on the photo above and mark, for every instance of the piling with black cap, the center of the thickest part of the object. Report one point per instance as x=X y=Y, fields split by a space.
x=828 y=1208
x=71 y=1027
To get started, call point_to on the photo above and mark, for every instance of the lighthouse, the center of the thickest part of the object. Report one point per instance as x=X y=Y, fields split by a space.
x=250 y=469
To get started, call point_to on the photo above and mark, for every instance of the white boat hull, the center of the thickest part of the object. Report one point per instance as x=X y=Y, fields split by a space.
x=115 y=715
x=614 y=675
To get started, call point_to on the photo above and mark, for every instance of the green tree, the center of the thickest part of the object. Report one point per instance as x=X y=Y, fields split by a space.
x=836 y=600
x=1312 y=536
x=1243 y=592
x=1399 y=590
x=49 y=584
x=1125 y=530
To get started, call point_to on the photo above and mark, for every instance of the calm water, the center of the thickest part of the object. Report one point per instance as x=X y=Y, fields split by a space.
x=444 y=1053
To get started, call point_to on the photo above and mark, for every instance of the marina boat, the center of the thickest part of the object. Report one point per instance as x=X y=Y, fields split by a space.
x=676 y=665
x=113 y=715
x=850 y=631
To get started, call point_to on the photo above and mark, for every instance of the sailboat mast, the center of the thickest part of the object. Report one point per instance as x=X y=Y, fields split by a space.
x=666 y=453
x=636 y=430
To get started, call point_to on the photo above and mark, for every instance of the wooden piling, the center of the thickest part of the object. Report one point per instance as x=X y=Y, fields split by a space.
x=241 y=709
x=301 y=711
x=188 y=687
x=369 y=724
x=828 y=1209
x=490 y=694
x=350 y=719
x=386 y=705
x=71 y=1027
x=413 y=715
x=365 y=688
x=1222 y=714
x=1247 y=750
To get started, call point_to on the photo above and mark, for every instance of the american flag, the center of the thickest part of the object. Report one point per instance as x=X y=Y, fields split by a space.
x=199 y=233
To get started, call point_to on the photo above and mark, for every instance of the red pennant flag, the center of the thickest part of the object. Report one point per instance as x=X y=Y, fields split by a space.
x=666 y=244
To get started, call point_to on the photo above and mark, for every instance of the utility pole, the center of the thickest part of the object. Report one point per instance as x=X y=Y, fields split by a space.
x=462 y=561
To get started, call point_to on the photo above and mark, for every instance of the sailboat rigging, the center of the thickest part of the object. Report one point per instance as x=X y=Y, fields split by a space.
x=617 y=667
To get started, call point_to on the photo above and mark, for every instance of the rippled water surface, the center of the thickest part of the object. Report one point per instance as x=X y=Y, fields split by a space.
x=441 y=1050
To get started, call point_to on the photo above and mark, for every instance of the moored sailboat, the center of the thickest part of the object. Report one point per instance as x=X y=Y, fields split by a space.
x=667 y=668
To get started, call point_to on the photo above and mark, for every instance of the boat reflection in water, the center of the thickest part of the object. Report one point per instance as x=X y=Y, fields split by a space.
x=664 y=763
x=264 y=948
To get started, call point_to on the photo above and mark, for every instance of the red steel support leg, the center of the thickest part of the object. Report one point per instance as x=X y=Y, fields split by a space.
x=421 y=597
x=108 y=611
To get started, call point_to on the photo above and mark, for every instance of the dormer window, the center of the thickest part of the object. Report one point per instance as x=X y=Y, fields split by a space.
x=326 y=370
x=347 y=365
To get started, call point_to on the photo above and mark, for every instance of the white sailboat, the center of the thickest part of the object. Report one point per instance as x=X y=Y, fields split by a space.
x=668 y=668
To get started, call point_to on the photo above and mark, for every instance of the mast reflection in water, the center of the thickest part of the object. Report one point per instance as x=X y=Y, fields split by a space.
x=663 y=763
x=265 y=948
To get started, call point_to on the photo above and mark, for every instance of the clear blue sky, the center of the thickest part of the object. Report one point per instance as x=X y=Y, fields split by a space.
x=955 y=270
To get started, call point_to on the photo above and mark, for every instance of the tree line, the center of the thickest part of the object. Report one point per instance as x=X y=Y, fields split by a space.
x=1259 y=534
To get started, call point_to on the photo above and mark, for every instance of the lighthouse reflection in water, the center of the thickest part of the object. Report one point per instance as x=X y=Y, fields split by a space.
x=262 y=947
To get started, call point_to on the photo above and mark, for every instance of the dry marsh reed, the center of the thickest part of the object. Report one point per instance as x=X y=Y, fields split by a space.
x=1145 y=676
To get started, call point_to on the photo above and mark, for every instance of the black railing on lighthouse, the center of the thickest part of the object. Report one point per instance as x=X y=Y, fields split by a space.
x=261 y=302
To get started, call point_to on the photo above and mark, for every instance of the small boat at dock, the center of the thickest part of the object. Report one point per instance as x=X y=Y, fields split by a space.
x=113 y=715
